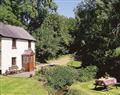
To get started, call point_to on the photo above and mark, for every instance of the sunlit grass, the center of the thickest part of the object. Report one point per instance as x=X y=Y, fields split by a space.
x=21 y=86
x=88 y=88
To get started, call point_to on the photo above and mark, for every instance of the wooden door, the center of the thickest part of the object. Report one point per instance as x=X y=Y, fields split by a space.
x=28 y=62
x=25 y=62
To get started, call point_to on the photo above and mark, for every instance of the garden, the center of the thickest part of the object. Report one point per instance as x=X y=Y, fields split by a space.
x=73 y=80
x=87 y=88
x=92 y=36
x=69 y=79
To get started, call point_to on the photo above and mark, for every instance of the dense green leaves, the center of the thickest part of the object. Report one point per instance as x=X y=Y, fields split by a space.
x=97 y=35
x=60 y=76
x=53 y=37
x=96 y=30
x=46 y=45
x=87 y=74
x=30 y=13
x=6 y=14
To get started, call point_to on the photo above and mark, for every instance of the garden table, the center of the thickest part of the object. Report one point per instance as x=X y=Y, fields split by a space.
x=105 y=82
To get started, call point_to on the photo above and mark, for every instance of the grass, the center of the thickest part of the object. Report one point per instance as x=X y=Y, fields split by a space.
x=21 y=86
x=88 y=89
x=61 y=60
x=74 y=64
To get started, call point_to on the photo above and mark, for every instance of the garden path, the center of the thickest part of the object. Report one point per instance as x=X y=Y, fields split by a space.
x=23 y=74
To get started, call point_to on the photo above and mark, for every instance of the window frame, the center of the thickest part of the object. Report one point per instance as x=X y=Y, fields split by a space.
x=13 y=61
x=29 y=44
x=14 y=43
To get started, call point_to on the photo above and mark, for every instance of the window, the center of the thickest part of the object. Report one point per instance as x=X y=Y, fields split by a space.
x=13 y=43
x=13 y=60
x=29 y=44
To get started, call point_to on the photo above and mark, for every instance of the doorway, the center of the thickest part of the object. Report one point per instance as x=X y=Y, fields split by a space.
x=28 y=60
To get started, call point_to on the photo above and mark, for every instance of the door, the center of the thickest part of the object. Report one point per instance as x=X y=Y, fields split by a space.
x=31 y=63
x=28 y=62
x=24 y=62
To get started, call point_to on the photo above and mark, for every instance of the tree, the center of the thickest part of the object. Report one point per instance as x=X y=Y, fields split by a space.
x=6 y=14
x=30 y=13
x=47 y=45
x=97 y=33
x=53 y=37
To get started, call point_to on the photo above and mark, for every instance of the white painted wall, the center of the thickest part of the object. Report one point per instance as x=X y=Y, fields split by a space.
x=7 y=52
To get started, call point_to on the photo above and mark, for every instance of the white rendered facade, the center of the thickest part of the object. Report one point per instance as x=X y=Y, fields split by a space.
x=7 y=52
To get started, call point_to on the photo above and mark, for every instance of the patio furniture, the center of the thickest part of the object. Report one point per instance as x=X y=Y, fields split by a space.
x=105 y=82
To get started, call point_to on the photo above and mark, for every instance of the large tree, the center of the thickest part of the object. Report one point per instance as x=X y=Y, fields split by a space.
x=97 y=34
x=53 y=37
x=30 y=13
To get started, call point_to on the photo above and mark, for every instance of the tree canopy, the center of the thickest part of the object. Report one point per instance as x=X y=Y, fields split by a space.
x=97 y=33
x=53 y=36
x=30 y=13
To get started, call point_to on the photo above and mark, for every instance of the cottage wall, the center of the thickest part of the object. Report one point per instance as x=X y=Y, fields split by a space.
x=7 y=52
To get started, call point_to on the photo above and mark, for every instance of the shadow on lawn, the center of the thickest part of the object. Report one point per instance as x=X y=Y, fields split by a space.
x=102 y=89
x=98 y=89
x=117 y=84
x=106 y=89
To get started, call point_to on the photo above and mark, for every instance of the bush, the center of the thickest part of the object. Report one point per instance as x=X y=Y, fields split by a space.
x=75 y=64
x=87 y=74
x=59 y=77
x=117 y=52
x=38 y=72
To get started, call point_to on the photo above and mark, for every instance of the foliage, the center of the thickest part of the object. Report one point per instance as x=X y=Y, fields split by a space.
x=52 y=37
x=50 y=90
x=6 y=15
x=38 y=72
x=60 y=76
x=97 y=33
x=46 y=45
x=75 y=64
x=117 y=52
x=87 y=74
x=30 y=13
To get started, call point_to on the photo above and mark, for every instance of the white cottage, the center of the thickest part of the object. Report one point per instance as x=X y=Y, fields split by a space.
x=17 y=47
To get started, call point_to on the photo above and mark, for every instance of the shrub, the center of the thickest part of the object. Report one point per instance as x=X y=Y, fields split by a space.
x=38 y=72
x=75 y=64
x=60 y=76
x=117 y=52
x=87 y=74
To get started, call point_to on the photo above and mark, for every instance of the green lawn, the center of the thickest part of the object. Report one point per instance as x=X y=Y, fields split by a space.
x=88 y=89
x=20 y=86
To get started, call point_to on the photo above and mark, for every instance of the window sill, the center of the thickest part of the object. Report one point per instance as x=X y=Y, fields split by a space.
x=14 y=48
x=29 y=47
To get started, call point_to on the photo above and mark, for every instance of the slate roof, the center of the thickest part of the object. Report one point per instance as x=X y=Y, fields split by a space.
x=14 y=32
